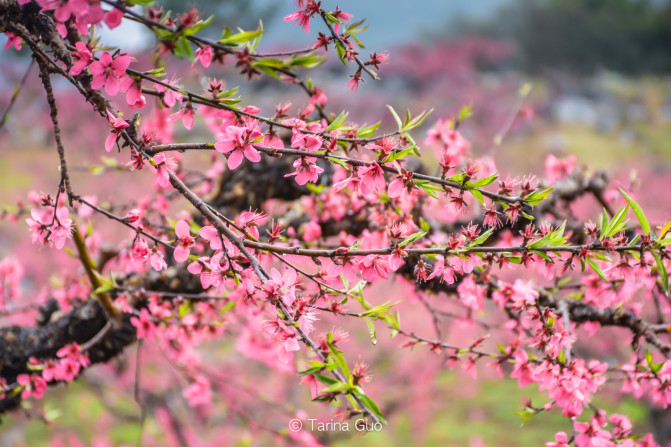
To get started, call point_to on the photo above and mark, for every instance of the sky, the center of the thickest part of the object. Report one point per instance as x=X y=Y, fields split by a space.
x=391 y=21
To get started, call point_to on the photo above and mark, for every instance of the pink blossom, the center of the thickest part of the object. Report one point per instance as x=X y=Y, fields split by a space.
x=306 y=170
x=443 y=270
x=203 y=54
x=47 y=228
x=108 y=71
x=185 y=113
x=238 y=142
x=164 y=166
x=133 y=89
x=591 y=435
x=157 y=260
x=374 y=267
x=83 y=57
x=353 y=84
x=113 y=18
x=372 y=179
x=11 y=273
x=199 y=393
x=302 y=17
x=281 y=286
x=143 y=325
x=184 y=241
x=140 y=249
x=210 y=234
x=523 y=370
x=561 y=440
x=118 y=125
x=33 y=385
x=13 y=41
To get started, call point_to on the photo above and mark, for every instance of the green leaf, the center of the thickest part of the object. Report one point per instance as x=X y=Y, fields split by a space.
x=338 y=387
x=648 y=358
x=365 y=132
x=465 y=113
x=478 y=196
x=340 y=49
x=482 y=182
x=396 y=117
x=202 y=24
x=325 y=379
x=412 y=238
x=339 y=161
x=340 y=360
x=337 y=123
x=537 y=197
x=415 y=122
x=372 y=406
x=240 y=38
x=595 y=267
x=645 y=225
x=663 y=275
x=309 y=60
x=371 y=330
x=617 y=224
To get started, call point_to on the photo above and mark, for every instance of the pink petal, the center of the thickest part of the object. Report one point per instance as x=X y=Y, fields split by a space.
x=224 y=146
x=109 y=142
x=395 y=188
x=112 y=86
x=208 y=232
x=252 y=154
x=182 y=229
x=181 y=254
x=234 y=159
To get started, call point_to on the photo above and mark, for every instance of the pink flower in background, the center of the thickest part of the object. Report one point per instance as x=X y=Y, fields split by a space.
x=471 y=294
x=559 y=168
x=311 y=231
x=108 y=71
x=144 y=326
x=199 y=393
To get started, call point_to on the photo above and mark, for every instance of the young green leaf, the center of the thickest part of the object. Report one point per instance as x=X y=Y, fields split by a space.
x=645 y=225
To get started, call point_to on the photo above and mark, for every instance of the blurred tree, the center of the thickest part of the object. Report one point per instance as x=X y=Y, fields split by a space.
x=581 y=36
x=244 y=14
